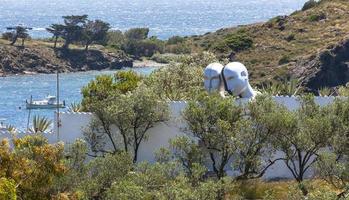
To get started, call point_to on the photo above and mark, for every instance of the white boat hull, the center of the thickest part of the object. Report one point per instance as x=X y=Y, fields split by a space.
x=48 y=106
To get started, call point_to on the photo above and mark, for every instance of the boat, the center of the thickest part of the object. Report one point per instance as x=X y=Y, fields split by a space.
x=50 y=102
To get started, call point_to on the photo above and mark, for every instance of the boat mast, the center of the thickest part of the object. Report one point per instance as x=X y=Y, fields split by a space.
x=58 y=121
x=30 y=102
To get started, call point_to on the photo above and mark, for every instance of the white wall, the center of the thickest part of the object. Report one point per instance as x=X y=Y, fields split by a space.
x=72 y=125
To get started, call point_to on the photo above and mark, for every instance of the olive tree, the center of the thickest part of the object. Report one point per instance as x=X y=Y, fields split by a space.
x=255 y=153
x=133 y=114
x=333 y=166
x=301 y=135
x=212 y=120
x=189 y=154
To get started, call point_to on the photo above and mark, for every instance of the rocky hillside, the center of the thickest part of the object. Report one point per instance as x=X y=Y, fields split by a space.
x=311 y=45
x=41 y=58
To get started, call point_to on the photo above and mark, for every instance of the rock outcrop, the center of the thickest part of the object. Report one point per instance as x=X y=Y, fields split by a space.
x=42 y=59
x=329 y=68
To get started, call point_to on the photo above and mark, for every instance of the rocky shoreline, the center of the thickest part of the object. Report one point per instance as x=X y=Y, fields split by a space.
x=40 y=59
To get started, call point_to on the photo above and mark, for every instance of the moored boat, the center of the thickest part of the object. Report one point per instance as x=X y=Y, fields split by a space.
x=50 y=102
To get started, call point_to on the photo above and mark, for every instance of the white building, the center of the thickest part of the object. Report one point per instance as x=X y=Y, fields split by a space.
x=72 y=126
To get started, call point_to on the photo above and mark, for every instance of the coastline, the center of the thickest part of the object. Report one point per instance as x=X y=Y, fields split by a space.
x=136 y=64
x=148 y=63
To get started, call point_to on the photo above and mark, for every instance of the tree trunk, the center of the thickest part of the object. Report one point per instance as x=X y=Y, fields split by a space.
x=135 y=156
x=55 y=44
x=86 y=46
x=14 y=40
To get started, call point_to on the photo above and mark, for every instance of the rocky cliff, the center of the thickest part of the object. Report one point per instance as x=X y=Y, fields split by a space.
x=44 y=59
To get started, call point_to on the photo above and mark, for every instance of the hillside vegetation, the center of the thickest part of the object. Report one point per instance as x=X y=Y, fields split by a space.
x=311 y=45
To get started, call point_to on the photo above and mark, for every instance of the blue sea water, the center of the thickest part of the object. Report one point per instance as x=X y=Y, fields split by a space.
x=165 y=18
x=14 y=90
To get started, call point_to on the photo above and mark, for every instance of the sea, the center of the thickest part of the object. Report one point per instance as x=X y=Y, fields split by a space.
x=165 y=18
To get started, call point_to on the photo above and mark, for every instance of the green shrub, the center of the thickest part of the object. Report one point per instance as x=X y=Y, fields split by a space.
x=7 y=35
x=140 y=48
x=179 y=48
x=7 y=189
x=167 y=58
x=317 y=17
x=239 y=41
x=175 y=40
x=309 y=4
x=284 y=60
x=115 y=39
x=137 y=33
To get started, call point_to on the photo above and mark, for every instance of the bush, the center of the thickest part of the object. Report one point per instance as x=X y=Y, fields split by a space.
x=239 y=41
x=180 y=48
x=175 y=40
x=7 y=189
x=309 y=4
x=115 y=39
x=167 y=58
x=284 y=60
x=140 y=48
x=137 y=33
x=7 y=35
x=317 y=17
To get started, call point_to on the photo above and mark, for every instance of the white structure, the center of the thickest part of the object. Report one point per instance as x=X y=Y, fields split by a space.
x=232 y=78
x=73 y=125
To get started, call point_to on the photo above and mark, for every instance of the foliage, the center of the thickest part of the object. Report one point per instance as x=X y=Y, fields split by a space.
x=317 y=17
x=309 y=4
x=180 y=81
x=137 y=33
x=189 y=154
x=7 y=36
x=103 y=172
x=325 y=91
x=301 y=135
x=19 y=32
x=78 y=29
x=57 y=31
x=95 y=32
x=133 y=114
x=254 y=154
x=287 y=87
x=239 y=41
x=344 y=90
x=75 y=107
x=127 y=81
x=167 y=58
x=32 y=164
x=284 y=60
x=103 y=86
x=335 y=171
x=7 y=189
x=115 y=39
x=40 y=124
x=73 y=28
x=145 y=47
x=213 y=121
x=175 y=40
